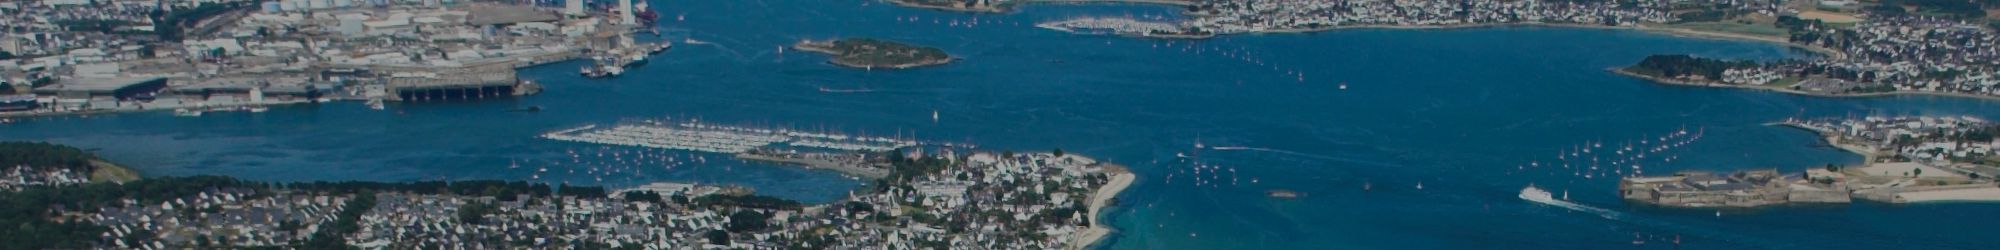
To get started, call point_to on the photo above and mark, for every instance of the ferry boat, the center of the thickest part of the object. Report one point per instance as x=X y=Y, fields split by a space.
x=1531 y=193
x=603 y=71
x=634 y=60
x=661 y=47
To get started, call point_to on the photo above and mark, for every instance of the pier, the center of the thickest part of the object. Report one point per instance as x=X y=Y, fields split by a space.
x=700 y=137
x=1126 y=27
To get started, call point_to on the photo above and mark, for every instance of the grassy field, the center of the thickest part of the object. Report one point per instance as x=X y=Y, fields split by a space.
x=1735 y=27
x=1786 y=82
x=107 y=172
x=1829 y=17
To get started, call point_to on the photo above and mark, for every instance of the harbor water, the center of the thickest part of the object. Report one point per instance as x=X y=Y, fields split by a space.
x=1369 y=116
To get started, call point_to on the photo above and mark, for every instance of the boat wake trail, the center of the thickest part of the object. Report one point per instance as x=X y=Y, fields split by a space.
x=834 y=90
x=1536 y=195
x=1228 y=148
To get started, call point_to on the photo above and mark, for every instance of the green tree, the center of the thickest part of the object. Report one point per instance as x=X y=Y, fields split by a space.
x=475 y=213
x=718 y=237
x=746 y=221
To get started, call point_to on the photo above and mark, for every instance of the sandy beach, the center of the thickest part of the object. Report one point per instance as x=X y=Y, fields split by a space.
x=1867 y=154
x=1969 y=194
x=1120 y=179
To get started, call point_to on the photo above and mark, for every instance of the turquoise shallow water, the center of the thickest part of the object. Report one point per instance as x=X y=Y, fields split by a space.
x=1456 y=110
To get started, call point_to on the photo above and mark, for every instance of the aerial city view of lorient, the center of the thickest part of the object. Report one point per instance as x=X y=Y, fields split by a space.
x=999 y=124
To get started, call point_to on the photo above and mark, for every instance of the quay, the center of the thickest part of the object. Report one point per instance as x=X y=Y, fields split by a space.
x=309 y=53
x=1126 y=27
x=470 y=86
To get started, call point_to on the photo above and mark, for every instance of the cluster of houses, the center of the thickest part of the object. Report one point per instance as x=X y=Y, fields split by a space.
x=989 y=201
x=1928 y=139
x=1277 y=15
x=217 y=217
x=23 y=176
x=976 y=201
x=1750 y=76
x=1883 y=54
x=980 y=201
x=1923 y=54
x=239 y=53
x=408 y=221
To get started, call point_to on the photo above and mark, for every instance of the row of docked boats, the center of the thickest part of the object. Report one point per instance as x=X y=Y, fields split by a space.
x=614 y=62
x=700 y=137
x=194 y=112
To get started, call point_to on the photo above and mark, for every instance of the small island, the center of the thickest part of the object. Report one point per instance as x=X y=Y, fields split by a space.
x=871 y=53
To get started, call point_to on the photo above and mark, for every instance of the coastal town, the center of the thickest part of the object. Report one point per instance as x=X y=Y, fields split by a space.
x=1862 y=49
x=1311 y=165
x=1906 y=160
x=82 y=57
x=944 y=199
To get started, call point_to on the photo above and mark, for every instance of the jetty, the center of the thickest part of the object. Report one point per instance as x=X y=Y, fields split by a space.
x=702 y=137
x=1126 y=27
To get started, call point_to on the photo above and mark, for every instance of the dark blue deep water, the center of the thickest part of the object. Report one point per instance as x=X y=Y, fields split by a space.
x=1456 y=110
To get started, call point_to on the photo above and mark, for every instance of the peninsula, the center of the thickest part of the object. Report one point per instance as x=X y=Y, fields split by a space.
x=872 y=53
x=946 y=200
x=1908 y=159
x=1944 y=48
x=1887 y=58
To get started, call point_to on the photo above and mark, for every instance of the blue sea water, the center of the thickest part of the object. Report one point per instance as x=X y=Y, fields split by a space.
x=1454 y=110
